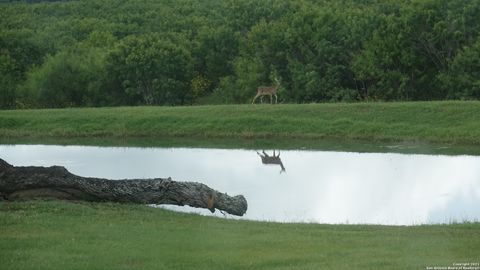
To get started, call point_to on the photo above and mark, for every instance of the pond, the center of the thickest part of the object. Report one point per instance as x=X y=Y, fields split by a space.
x=292 y=185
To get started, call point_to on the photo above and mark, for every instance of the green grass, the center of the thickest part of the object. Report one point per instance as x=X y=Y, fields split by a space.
x=453 y=122
x=63 y=235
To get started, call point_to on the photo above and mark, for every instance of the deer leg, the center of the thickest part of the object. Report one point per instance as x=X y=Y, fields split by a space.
x=276 y=99
x=261 y=99
x=255 y=98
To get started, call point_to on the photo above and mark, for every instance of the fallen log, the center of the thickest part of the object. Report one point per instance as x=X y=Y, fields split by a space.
x=33 y=182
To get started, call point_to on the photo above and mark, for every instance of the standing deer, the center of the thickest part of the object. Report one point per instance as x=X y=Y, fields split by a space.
x=267 y=91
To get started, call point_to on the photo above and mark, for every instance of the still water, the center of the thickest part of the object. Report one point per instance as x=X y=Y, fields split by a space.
x=291 y=185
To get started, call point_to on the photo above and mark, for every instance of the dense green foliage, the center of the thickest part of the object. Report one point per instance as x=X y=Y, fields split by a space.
x=435 y=121
x=135 y=52
x=62 y=235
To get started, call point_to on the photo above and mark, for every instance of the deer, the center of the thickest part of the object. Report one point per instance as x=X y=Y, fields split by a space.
x=275 y=159
x=267 y=91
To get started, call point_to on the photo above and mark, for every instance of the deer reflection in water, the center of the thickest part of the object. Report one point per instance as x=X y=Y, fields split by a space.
x=274 y=159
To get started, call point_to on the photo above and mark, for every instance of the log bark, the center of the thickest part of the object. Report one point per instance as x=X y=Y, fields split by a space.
x=33 y=182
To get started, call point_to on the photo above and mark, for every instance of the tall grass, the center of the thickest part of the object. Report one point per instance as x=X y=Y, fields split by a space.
x=441 y=122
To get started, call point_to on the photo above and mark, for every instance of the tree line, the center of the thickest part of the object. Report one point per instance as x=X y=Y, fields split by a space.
x=181 y=52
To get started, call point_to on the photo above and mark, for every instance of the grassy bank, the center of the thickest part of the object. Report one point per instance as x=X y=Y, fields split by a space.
x=437 y=122
x=60 y=235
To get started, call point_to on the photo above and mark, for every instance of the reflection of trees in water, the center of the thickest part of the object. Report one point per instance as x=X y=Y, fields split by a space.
x=272 y=160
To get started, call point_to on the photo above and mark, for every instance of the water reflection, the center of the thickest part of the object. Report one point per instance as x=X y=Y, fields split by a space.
x=272 y=160
x=320 y=186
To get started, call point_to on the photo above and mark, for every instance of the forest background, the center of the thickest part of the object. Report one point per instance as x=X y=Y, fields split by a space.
x=182 y=52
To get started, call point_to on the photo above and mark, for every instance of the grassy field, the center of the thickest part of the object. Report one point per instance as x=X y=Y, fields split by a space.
x=454 y=122
x=60 y=235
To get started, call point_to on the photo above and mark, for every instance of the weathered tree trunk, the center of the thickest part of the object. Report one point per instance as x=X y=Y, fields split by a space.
x=33 y=182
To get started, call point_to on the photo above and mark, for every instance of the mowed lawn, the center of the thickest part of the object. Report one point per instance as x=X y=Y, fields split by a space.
x=439 y=122
x=66 y=235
